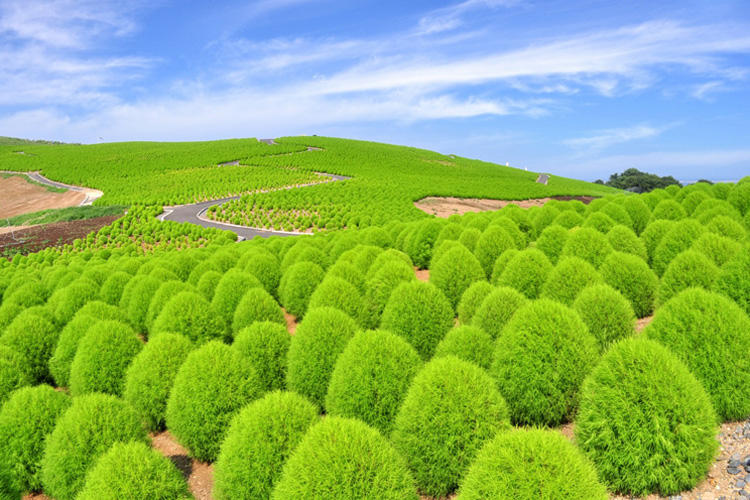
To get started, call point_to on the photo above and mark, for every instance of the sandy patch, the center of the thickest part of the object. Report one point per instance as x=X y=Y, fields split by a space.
x=291 y=322
x=21 y=197
x=642 y=323
x=445 y=207
x=422 y=274
x=199 y=475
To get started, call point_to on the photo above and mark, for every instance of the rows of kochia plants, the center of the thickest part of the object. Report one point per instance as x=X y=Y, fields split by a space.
x=457 y=384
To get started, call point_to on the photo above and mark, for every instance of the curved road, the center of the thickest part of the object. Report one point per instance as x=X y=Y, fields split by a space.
x=193 y=214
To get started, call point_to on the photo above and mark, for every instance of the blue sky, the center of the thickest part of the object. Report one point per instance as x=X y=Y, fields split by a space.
x=581 y=88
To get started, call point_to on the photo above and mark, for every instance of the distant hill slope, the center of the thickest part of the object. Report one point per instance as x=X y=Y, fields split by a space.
x=15 y=141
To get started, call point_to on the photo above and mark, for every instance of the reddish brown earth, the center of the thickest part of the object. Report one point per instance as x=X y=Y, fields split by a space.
x=21 y=197
x=445 y=207
x=291 y=322
x=36 y=238
x=199 y=475
x=643 y=323
x=422 y=274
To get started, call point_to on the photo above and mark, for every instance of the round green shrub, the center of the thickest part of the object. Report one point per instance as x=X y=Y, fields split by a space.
x=207 y=284
x=420 y=313
x=371 y=377
x=303 y=251
x=669 y=210
x=502 y=219
x=692 y=200
x=8 y=312
x=339 y=294
x=340 y=459
x=189 y=314
x=211 y=386
x=568 y=278
x=166 y=291
x=349 y=273
x=688 y=269
x=13 y=372
x=526 y=272
x=739 y=196
x=297 y=285
x=442 y=248
x=385 y=258
x=551 y=242
x=102 y=358
x=381 y=285
x=265 y=344
x=631 y=276
x=258 y=443
x=150 y=377
x=91 y=425
x=134 y=470
x=230 y=290
x=65 y=302
x=455 y=273
x=653 y=234
x=678 y=239
x=541 y=359
x=469 y=343
x=471 y=300
x=543 y=218
x=421 y=244
x=529 y=464
x=8 y=491
x=639 y=212
x=645 y=421
x=719 y=249
x=587 y=244
x=136 y=298
x=607 y=314
x=111 y=290
x=599 y=221
x=450 y=410
x=257 y=305
x=706 y=331
x=501 y=263
x=267 y=269
x=26 y=419
x=470 y=237
x=726 y=226
x=734 y=279
x=568 y=219
x=497 y=308
x=494 y=241
x=625 y=240
x=319 y=340
x=31 y=293
x=33 y=336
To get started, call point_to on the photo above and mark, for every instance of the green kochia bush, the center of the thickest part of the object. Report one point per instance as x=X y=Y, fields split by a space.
x=688 y=269
x=734 y=279
x=541 y=359
x=679 y=238
x=420 y=313
x=102 y=358
x=607 y=314
x=297 y=285
x=371 y=377
x=631 y=276
x=526 y=272
x=494 y=241
x=259 y=441
x=265 y=345
x=8 y=491
x=339 y=294
x=645 y=421
x=342 y=459
x=707 y=331
x=257 y=305
x=150 y=376
x=267 y=269
x=587 y=244
x=720 y=249
x=166 y=291
x=568 y=278
x=111 y=290
x=381 y=283
x=26 y=420
x=529 y=464
x=551 y=242
x=211 y=386
x=189 y=314
x=450 y=410
x=134 y=470
x=471 y=300
x=455 y=272
x=33 y=336
x=13 y=372
x=497 y=309
x=83 y=433
x=136 y=298
x=230 y=290
x=313 y=352
x=65 y=302
x=469 y=343
x=623 y=239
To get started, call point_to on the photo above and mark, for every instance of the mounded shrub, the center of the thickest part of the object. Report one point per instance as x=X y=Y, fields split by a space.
x=230 y=290
x=551 y=242
x=526 y=272
x=13 y=372
x=491 y=244
x=65 y=302
x=379 y=287
x=599 y=221
x=720 y=249
x=688 y=269
x=470 y=237
x=134 y=470
x=136 y=298
x=692 y=200
x=211 y=386
x=543 y=218
x=266 y=345
x=669 y=210
x=297 y=285
x=349 y=272
x=32 y=335
x=706 y=330
x=256 y=305
x=469 y=343
x=303 y=251
x=340 y=458
x=371 y=377
x=529 y=464
x=653 y=234
x=150 y=377
x=421 y=244
x=471 y=300
x=639 y=212
x=632 y=277
x=568 y=278
x=102 y=358
x=625 y=240
x=739 y=196
x=726 y=226
x=26 y=419
x=450 y=410
x=189 y=314
x=207 y=284
x=541 y=359
x=501 y=263
x=384 y=258
x=455 y=272
x=166 y=291
x=111 y=290
x=8 y=490
x=497 y=308
x=587 y=244
x=339 y=294
x=607 y=314
x=420 y=313
x=645 y=421
x=568 y=219
x=319 y=340
x=442 y=248
x=734 y=279
x=267 y=269
x=258 y=443
x=678 y=239
x=91 y=425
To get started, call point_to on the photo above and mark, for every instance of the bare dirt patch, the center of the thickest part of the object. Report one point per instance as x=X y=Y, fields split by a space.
x=21 y=197
x=642 y=323
x=445 y=207
x=199 y=475
x=37 y=238
x=422 y=274
x=291 y=322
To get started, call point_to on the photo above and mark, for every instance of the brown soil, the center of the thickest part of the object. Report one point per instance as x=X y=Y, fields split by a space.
x=422 y=274
x=291 y=322
x=36 y=496
x=643 y=323
x=37 y=238
x=22 y=197
x=199 y=475
x=445 y=207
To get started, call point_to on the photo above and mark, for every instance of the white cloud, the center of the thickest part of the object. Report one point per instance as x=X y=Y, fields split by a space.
x=605 y=138
x=449 y=18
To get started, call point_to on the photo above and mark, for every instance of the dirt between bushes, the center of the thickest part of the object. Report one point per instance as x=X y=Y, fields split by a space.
x=22 y=197
x=445 y=207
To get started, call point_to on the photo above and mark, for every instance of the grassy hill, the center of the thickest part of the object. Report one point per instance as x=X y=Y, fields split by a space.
x=15 y=141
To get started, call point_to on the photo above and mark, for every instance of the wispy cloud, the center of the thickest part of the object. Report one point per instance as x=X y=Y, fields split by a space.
x=451 y=17
x=602 y=139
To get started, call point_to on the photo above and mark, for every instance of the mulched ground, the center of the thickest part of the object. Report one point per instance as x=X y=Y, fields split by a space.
x=55 y=234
